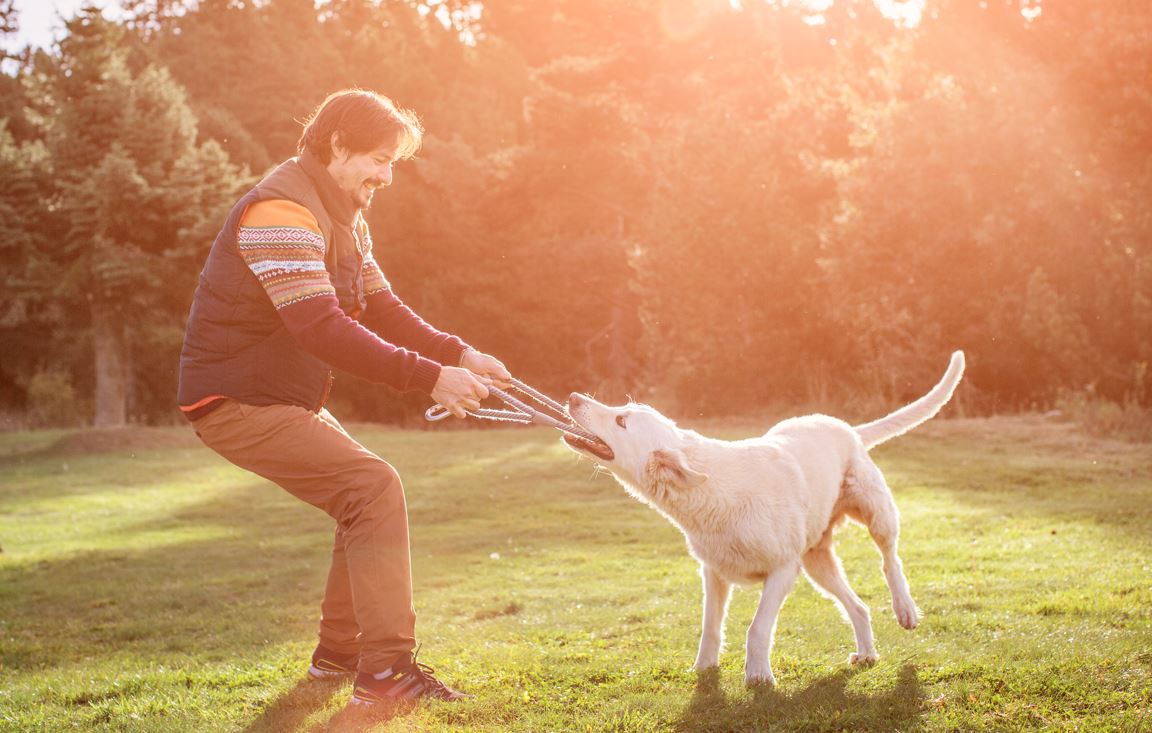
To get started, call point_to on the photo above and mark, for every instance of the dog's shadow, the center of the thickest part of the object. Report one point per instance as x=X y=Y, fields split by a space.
x=825 y=704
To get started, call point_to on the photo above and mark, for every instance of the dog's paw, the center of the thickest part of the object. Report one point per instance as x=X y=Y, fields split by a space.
x=707 y=657
x=867 y=659
x=767 y=681
x=759 y=676
x=907 y=614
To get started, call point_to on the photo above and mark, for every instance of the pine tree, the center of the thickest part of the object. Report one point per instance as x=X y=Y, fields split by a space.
x=123 y=148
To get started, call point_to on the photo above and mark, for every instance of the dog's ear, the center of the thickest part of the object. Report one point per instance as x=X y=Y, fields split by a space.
x=671 y=467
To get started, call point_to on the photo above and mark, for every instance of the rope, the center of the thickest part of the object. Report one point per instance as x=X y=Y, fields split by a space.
x=521 y=412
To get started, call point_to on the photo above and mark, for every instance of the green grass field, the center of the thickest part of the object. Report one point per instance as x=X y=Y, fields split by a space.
x=147 y=585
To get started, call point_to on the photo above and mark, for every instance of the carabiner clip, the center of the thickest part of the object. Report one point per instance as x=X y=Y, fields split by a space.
x=435 y=413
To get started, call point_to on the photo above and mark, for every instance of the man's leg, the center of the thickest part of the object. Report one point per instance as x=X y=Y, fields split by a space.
x=315 y=460
x=339 y=631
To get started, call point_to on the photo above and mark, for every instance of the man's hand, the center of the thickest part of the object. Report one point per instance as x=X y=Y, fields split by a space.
x=484 y=365
x=459 y=390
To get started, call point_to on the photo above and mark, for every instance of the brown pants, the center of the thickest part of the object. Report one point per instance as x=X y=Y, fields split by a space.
x=367 y=603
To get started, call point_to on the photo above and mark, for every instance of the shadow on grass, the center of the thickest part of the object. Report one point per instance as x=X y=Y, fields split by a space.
x=825 y=704
x=253 y=583
x=295 y=706
x=356 y=719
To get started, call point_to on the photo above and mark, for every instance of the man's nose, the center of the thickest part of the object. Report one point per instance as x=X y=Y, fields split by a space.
x=386 y=175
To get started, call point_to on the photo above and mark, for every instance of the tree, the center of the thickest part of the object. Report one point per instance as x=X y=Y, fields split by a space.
x=708 y=207
x=991 y=205
x=28 y=314
x=122 y=144
x=9 y=24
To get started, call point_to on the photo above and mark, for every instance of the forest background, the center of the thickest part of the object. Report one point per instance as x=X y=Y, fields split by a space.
x=716 y=207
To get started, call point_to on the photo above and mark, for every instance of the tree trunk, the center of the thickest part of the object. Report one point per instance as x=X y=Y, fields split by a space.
x=111 y=348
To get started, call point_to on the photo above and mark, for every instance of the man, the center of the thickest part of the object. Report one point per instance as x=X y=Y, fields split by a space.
x=290 y=288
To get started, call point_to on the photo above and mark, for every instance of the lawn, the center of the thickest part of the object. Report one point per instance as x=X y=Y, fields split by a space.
x=147 y=585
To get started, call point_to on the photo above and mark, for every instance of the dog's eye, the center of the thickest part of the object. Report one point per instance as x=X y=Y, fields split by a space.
x=620 y=421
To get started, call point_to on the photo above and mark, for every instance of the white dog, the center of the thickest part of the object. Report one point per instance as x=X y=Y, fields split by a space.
x=756 y=510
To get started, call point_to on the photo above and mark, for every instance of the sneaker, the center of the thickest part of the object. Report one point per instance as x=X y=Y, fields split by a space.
x=408 y=681
x=327 y=664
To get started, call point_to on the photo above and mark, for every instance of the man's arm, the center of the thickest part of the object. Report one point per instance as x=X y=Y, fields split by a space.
x=281 y=244
x=391 y=319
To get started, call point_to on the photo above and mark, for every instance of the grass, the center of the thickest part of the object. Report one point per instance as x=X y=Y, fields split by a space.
x=147 y=585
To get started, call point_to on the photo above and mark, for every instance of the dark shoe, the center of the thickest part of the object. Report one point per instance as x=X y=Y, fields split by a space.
x=327 y=664
x=409 y=681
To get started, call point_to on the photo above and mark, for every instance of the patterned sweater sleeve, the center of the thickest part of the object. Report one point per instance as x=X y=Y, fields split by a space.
x=393 y=321
x=281 y=243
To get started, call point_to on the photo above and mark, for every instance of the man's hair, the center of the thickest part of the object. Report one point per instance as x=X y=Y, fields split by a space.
x=363 y=121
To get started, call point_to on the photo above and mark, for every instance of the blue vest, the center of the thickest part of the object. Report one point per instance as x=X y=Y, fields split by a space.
x=235 y=343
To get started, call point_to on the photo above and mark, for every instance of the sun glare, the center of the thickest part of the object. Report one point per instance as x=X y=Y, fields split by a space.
x=905 y=13
x=463 y=19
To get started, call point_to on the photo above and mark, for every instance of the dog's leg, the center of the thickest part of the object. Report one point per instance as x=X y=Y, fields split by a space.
x=716 y=592
x=876 y=509
x=824 y=570
x=758 y=664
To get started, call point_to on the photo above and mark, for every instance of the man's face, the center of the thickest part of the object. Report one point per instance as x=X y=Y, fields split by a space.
x=360 y=174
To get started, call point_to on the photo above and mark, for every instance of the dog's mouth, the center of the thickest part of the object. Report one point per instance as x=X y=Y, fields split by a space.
x=599 y=448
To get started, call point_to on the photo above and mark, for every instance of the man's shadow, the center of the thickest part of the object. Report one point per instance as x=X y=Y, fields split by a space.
x=295 y=706
x=825 y=704
x=291 y=709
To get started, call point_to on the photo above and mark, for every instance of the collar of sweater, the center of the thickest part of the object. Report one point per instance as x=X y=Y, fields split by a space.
x=336 y=201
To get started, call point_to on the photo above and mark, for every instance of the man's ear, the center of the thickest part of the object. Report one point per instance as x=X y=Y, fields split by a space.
x=671 y=467
x=338 y=149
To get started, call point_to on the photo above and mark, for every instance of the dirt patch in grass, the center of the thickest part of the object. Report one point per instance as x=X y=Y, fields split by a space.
x=130 y=439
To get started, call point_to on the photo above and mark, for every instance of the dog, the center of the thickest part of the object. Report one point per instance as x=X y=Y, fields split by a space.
x=756 y=511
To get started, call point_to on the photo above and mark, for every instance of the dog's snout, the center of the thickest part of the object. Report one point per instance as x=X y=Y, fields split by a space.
x=574 y=401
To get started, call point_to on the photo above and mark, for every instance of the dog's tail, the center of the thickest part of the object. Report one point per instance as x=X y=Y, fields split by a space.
x=920 y=411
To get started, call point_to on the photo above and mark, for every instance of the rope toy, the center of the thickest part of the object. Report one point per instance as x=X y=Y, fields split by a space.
x=522 y=412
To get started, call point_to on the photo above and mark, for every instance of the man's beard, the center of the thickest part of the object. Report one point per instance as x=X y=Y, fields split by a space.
x=363 y=198
x=367 y=191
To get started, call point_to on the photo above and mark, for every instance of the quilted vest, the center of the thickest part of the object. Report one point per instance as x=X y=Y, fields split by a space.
x=235 y=344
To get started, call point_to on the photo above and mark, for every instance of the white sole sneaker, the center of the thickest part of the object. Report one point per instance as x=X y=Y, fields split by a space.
x=325 y=674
